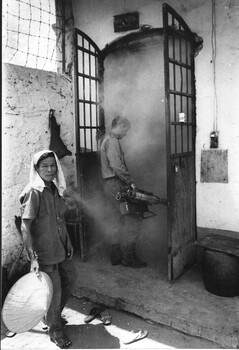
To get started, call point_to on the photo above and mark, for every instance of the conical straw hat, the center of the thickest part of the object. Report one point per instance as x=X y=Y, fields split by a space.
x=27 y=302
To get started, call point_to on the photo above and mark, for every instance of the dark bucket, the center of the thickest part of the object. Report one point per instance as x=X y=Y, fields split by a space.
x=221 y=273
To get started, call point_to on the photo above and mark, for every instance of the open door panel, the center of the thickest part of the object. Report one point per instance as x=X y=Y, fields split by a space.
x=180 y=139
x=89 y=124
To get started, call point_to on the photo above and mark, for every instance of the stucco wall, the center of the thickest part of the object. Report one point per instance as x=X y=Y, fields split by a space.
x=217 y=204
x=28 y=95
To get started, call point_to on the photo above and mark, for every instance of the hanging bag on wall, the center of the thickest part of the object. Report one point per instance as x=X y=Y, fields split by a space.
x=56 y=143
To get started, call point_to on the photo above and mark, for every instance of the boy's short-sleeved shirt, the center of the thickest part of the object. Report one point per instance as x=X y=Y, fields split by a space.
x=48 y=228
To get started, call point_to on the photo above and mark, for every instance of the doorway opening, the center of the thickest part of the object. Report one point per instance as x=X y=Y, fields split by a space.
x=148 y=77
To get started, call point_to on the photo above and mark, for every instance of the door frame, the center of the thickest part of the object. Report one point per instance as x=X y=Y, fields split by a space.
x=168 y=30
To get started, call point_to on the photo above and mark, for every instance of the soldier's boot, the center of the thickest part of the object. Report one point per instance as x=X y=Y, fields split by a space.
x=116 y=254
x=130 y=258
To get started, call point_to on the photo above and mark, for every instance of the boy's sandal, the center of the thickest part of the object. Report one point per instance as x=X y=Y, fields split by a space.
x=135 y=335
x=105 y=319
x=10 y=334
x=45 y=327
x=94 y=312
x=44 y=324
x=62 y=342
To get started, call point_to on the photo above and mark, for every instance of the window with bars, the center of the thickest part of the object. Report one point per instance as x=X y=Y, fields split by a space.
x=33 y=33
x=87 y=93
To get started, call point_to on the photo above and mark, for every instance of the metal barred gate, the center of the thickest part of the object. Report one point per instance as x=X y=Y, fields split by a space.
x=179 y=44
x=89 y=122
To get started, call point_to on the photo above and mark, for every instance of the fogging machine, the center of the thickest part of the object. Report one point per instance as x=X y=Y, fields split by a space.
x=136 y=201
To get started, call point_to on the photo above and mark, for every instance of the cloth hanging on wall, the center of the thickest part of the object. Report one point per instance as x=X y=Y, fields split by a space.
x=56 y=143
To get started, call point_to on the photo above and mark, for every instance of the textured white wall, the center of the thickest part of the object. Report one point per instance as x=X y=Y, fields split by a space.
x=28 y=95
x=217 y=204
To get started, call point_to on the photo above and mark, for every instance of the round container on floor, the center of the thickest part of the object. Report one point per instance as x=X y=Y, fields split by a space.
x=221 y=273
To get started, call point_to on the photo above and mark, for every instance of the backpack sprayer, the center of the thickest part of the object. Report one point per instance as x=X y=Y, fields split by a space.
x=137 y=201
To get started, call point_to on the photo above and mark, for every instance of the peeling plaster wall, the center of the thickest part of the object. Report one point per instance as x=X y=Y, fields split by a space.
x=217 y=203
x=28 y=95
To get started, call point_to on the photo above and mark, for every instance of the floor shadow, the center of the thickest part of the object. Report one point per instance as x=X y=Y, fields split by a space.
x=91 y=337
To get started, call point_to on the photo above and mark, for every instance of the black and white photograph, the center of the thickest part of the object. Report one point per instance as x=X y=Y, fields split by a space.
x=120 y=174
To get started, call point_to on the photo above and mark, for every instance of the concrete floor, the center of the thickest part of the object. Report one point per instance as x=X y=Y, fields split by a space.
x=97 y=336
x=183 y=305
